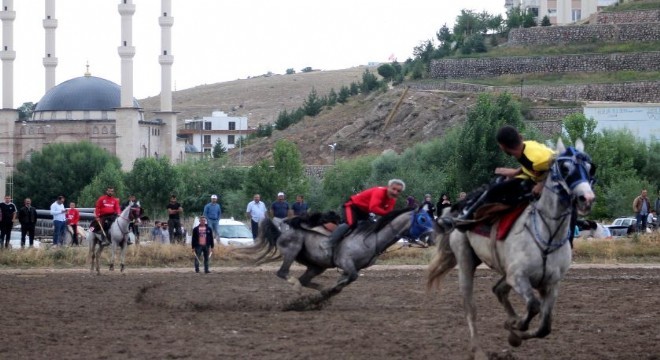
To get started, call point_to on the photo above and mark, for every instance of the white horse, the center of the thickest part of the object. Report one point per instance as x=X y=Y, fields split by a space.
x=535 y=255
x=118 y=234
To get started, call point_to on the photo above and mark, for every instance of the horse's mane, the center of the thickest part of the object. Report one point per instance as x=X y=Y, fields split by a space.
x=313 y=219
x=372 y=227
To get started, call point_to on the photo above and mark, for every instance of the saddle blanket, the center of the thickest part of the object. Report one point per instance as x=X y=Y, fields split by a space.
x=504 y=224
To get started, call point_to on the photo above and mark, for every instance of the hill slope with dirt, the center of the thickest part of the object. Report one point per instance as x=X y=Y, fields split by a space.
x=359 y=127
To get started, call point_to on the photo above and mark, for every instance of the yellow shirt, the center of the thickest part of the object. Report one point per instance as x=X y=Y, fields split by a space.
x=536 y=159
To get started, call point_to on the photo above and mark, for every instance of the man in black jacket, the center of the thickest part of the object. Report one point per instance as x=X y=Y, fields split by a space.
x=27 y=216
x=8 y=210
x=202 y=243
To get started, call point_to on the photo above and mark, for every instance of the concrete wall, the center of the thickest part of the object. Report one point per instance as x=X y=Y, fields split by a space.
x=484 y=67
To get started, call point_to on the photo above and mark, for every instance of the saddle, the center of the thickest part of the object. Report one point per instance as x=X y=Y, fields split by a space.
x=322 y=223
x=496 y=217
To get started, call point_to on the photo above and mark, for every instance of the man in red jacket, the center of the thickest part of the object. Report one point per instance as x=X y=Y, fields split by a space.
x=377 y=200
x=106 y=211
x=72 y=219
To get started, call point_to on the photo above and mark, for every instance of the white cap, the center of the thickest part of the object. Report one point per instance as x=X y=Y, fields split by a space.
x=214 y=196
x=280 y=194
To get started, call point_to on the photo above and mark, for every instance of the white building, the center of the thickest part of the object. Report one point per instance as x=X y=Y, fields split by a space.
x=642 y=119
x=560 y=12
x=202 y=134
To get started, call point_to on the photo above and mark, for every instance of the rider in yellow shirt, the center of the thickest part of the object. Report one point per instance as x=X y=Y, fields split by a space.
x=535 y=160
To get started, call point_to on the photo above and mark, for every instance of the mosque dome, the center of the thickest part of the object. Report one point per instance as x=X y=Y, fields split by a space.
x=82 y=94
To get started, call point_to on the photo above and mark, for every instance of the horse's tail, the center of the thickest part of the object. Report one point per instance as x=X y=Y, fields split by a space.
x=443 y=261
x=266 y=242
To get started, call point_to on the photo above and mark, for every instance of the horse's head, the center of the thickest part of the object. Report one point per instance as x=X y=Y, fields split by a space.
x=134 y=214
x=421 y=223
x=573 y=172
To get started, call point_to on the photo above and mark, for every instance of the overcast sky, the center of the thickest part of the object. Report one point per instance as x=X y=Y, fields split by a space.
x=215 y=41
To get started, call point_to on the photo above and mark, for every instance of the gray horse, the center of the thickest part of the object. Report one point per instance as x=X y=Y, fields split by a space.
x=118 y=234
x=535 y=255
x=358 y=250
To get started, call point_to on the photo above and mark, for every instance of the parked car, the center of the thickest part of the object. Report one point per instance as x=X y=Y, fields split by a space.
x=623 y=226
x=232 y=233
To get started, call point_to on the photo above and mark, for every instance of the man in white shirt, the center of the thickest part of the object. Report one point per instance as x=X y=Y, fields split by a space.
x=256 y=211
x=59 y=221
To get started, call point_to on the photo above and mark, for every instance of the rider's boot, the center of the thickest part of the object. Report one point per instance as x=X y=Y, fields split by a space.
x=328 y=244
x=105 y=241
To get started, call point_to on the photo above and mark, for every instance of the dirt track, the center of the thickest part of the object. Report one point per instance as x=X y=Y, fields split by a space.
x=602 y=313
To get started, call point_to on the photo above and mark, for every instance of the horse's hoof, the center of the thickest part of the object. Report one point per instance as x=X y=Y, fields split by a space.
x=514 y=339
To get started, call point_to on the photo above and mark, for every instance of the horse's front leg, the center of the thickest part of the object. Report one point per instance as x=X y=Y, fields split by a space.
x=523 y=287
x=350 y=274
x=548 y=297
x=123 y=255
x=289 y=247
x=113 y=249
x=502 y=290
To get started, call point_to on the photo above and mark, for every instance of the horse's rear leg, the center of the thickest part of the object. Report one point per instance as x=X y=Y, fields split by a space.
x=466 y=269
x=306 y=278
x=123 y=256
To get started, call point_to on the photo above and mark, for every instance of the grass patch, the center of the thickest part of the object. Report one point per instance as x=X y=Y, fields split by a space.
x=636 y=249
x=634 y=5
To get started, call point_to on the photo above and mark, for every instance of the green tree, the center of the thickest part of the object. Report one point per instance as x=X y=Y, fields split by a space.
x=546 y=21
x=477 y=153
x=261 y=179
x=354 y=89
x=332 y=98
x=290 y=71
x=111 y=175
x=307 y=69
x=283 y=120
x=25 y=111
x=312 y=105
x=514 y=18
x=614 y=152
x=386 y=71
x=60 y=169
x=289 y=167
x=344 y=94
x=153 y=181
x=577 y=126
x=369 y=82
x=528 y=19
x=219 y=149
x=346 y=178
x=445 y=37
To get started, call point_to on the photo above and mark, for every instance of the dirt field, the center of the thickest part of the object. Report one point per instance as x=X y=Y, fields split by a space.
x=237 y=314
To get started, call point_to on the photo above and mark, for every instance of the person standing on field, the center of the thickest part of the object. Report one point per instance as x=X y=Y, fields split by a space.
x=8 y=210
x=27 y=216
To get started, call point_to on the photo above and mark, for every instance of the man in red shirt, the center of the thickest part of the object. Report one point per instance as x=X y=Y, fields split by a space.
x=72 y=218
x=106 y=211
x=377 y=200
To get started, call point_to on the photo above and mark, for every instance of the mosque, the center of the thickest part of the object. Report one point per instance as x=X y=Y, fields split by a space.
x=87 y=107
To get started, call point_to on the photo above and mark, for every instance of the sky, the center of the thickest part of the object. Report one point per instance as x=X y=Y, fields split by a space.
x=223 y=40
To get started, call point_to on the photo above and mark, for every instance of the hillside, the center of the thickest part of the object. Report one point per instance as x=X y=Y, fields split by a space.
x=357 y=127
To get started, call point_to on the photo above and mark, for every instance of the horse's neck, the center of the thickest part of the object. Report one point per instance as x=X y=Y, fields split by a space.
x=389 y=234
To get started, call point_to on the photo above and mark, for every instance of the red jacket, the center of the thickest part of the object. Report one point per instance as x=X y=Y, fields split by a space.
x=107 y=205
x=72 y=216
x=374 y=200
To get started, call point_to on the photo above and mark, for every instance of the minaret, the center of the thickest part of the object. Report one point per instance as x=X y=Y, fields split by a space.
x=166 y=59
x=7 y=54
x=128 y=117
x=8 y=115
x=50 y=60
x=126 y=52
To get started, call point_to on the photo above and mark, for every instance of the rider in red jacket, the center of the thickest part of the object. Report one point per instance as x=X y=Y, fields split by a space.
x=378 y=200
x=106 y=211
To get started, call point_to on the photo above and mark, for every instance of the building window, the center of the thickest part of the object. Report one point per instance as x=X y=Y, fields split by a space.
x=104 y=130
x=232 y=125
x=552 y=12
x=576 y=14
x=207 y=139
x=230 y=140
x=207 y=125
x=95 y=130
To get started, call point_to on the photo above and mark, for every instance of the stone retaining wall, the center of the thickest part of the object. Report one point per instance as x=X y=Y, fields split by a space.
x=316 y=171
x=632 y=16
x=645 y=91
x=551 y=35
x=484 y=67
x=552 y=113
